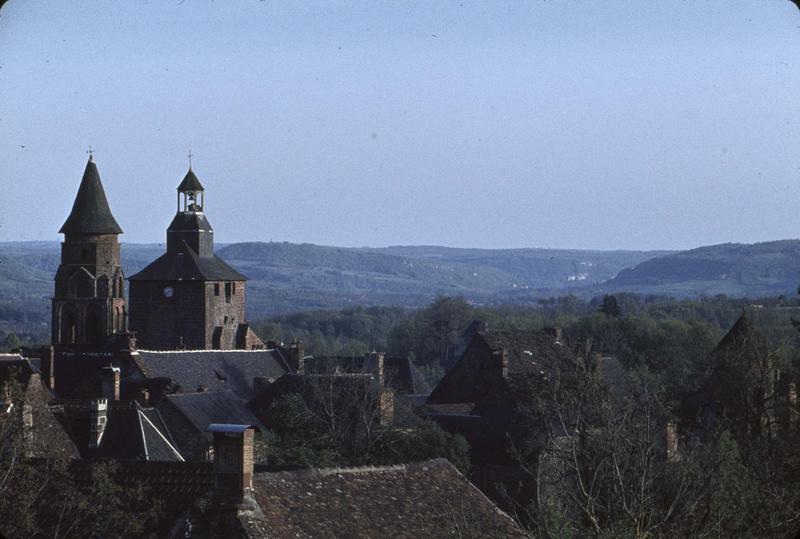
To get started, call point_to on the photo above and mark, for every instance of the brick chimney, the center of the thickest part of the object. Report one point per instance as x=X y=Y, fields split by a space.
x=297 y=356
x=499 y=361
x=98 y=416
x=671 y=440
x=233 y=460
x=110 y=383
x=49 y=367
x=379 y=359
x=386 y=406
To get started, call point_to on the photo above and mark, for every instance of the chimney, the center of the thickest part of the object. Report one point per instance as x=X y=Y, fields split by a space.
x=597 y=365
x=555 y=333
x=233 y=460
x=110 y=383
x=49 y=367
x=671 y=440
x=500 y=362
x=260 y=383
x=143 y=396
x=98 y=415
x=386 y=406
x=378 y=358
x=297 y=356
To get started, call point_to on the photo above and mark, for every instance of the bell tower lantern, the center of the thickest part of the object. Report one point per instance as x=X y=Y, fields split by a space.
x=190 y=224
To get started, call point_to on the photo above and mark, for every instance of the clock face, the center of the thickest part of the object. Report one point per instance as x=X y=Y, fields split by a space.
x=168 y=291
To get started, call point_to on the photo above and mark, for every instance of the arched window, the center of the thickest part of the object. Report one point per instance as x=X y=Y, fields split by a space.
x=85 y=285
x=69 y=325
x=102 y=286
x=95 y=330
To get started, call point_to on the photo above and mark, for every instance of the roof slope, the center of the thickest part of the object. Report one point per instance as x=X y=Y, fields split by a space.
x=428 y=499
x=217 y=370
x=130 y=433
x=190 y=182
x=186 y=265
x=90 y=212
x=203 y=409
x=531 y=355
x=400 y=373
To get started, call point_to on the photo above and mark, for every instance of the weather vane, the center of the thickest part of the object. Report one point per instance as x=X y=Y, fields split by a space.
x=90 y=151
x=189 y=155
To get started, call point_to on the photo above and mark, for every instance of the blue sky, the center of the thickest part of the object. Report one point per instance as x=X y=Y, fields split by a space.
x=586 y=124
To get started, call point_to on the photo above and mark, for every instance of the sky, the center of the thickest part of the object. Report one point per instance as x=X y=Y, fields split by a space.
x=564 y=124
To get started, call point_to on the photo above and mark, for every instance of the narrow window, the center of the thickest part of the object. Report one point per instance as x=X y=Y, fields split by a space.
x=216 y=289
x=233 y=287
x=227 y=292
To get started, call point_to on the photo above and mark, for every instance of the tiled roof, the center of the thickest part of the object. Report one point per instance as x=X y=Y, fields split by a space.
x=528 y=350
x=186 y=265
x=217 y=370
x=428 y=499
x=90 y=212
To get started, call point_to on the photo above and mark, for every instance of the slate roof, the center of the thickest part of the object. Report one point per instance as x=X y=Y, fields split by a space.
x=90 y=212
x=311 y=387
x=217 y=370
x=189 y=221
x=400 y=373
x=203 y=409
x=17 y=365
x=131 y=432
x=78 y=374
x=531 y=355
x=740 y=365
x=186 y=265
x=427 y=499
x=190 y=182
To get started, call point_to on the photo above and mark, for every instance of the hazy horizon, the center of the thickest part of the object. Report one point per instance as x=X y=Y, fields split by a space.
x=569 y=125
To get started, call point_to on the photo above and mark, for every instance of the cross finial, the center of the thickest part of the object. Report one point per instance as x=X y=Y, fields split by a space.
x=90 y=151
x=189 y=155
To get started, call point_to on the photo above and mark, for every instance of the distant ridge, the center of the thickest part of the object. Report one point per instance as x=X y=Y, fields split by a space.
x=288 y=277
x=735 y=269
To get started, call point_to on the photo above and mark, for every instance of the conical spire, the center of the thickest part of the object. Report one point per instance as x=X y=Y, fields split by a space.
x=90 y=212
x=190 y=183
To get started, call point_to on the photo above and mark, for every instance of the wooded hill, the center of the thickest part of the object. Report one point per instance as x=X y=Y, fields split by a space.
x=286 y=277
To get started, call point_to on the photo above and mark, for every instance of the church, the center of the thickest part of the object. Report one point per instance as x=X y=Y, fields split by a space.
x=188 y=298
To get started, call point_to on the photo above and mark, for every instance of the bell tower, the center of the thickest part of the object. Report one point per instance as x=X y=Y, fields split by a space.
x=189 y=298
x=89 y=301
x=190 y=224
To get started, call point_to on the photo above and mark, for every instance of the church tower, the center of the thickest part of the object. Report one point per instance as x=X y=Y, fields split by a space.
x=189 y=297
x=89 y=302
